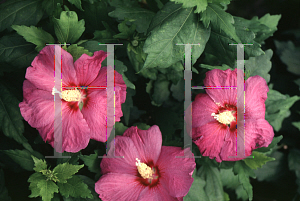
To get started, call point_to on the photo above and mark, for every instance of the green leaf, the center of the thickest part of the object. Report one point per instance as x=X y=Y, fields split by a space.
x=260 y=65
x=68 y=29
x=219 y=20
x=213 y=187
x=126 y=32
x=228 y=178
x=277 y=107
x=174 y=25
x=77 y=3
x=34 y=35
x=201 y=4
x=138 y=16
x=142 y=126
x=161 y=90
x=3 y=191
x=178 y=90
x=75 y=187
x=34 y=179
x=119 y=128
x=21 y=157
x=47 y=189
x=271 y=21
x=20 y=12
x=121 y=68
x=50 y=6
x=294 y=159
x=272 y=170
x=92 y=161
x=258 y=160
x=76 y=51
x=104 y=36
x=93 y=46
x=223 y=67
x=39 y=164
x=243 y=172
x=296 y=124
x=289 y=55
x=271 y=146
x=66 y=171
x=16 y=51
x=196 y=192
x=71 y=160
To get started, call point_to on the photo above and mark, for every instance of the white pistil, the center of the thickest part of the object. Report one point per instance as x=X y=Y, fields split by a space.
x=144 y=170
x=68 y=95
x=224 y=117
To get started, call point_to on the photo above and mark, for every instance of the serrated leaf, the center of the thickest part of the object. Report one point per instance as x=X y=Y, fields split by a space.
x=77 y=51
x=75 y=187
x=16 y=51
x=34 y=179
x=277 y=107
x=219 y=20
x=201 y=4
x=126 y=31
x=138 y=16
x=21 y=157
x=20 y=12
x=66 y=171
x=93 y=46
x=273 y=170
x=260 y=65
x=3 y=191
x=271 y=21
x=104 y=36
x=213 y=187
x=243 y=172
x=92 y=161
x=39 y=164
x=47 y=189
x=196 y=192
x=68 y=29
x=228 y=178
x=289 y=55
x=77 y=3
x=50 y=6
x=174 y=25
x=34 y=35
x=259 y=160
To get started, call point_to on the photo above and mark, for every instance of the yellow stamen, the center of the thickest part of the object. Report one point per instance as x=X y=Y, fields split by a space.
x=71 y=95
x=144 y=170
x=224 y=117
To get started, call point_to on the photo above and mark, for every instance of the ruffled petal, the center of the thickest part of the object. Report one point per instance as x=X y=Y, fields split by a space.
x=219 y=78
x=87 y=68
x=210 y=138
x=115 y=186
x=256 y=95
x=176 y=172
x=158 y=192
x=41 y=74
x=124 y=146
x=148 y=142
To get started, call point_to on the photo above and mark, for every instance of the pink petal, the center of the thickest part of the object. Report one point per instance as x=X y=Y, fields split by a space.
x=210 y=138
x=148 y=142
x=95 y=112
x=176 y=172
x=124 y=146
x=219 y=78
x=115 y=186
x=256 y=95
x=203 y=107
x=158 y=192
x=41 y=74
x=87 y=68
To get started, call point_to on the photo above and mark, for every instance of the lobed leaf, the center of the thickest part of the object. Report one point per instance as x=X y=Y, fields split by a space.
x=92 y=161
x=66 y=171
x=196 y=192
x=258 y=160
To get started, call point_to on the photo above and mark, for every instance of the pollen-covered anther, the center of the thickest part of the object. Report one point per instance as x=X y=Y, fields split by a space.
x=144 y=170
x=224 y=117
x=71 y=95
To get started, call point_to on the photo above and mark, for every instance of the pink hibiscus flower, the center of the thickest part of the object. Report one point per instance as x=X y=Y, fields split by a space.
x=148 y=171
x=78 y=125
x=214 y=116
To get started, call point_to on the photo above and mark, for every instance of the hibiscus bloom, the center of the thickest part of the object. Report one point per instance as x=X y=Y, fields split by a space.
x=148 y=171
x=214 y=116
x=79 y=125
